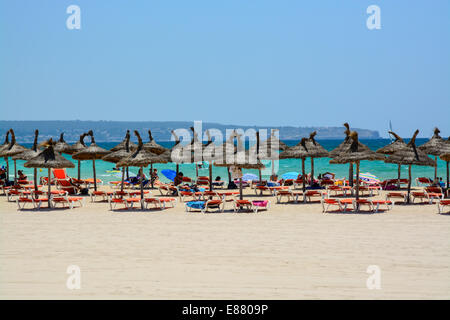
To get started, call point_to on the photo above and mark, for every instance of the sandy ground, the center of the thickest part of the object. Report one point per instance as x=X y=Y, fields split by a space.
x=293 y=251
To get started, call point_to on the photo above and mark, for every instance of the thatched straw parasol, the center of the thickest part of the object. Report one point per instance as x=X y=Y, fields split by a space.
x=49 y=159
x=92 y=152
x=6 y=142
x=315 y=150
x=30 y=154
x=344 y=144
x=354 y=153
x=434 y=147
x=175 y=150
x=132 y=146
x=76 y=147
x=62 y=146
x=243 y=159
x=410 y=155
x=155 y=148
x=269 y=149
x=140 y=158
x=119 y=155
x=5 y=145
x=152 y=146
x=393 y=147
x=11 y=150
x=299 y=151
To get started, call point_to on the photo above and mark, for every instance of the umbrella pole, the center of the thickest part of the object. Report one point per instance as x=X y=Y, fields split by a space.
x=123 y=178
x=7 y=169
x=260 y=175
x=95 y=175
x=142 y=187
x=49 y=194
x=399 y=173
x=210 y=177
x=178 y=168
x=448 y=184
x=303 y=180
x=128 y=174
x=240 y=189
x=229 y=176
x=151 y=174
x=35 y=179
x=15 y=172
x=196 y=170
x=409 y=183
x=357 y=180
x=435 y=168
x=273 y=167
x=79 y=170
x=312 y=172
x=350 y=174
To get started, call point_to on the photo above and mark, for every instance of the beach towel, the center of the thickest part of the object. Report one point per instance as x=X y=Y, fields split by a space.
x=196 y=204
x=260 y=203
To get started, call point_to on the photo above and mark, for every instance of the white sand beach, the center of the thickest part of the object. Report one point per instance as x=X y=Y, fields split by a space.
x=292 y=251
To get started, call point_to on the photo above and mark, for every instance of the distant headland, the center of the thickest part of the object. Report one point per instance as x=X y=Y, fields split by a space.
x=115 y=130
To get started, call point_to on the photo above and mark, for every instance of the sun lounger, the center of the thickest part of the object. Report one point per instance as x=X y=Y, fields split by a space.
x=32 y=198
x=397 y=195
x=128 y=202
x=314 y=193
x=255 y=205
x=100 y=194
x=210 y=195
x=65 y=199
x=337 y=191
x=422 y=181
x=159 y=202
x=339 y=203
x=205 y=206
x=166 y=189
x=443 y=203
x=289 y=194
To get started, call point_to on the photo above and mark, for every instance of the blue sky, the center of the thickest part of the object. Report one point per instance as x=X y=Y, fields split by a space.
x=262 y=62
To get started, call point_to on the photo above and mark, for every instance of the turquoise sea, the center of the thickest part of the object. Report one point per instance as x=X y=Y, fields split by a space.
x=378 y=168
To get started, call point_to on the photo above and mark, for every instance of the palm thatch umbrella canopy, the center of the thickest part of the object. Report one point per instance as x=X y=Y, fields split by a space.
x=92 y=152
x=315 y=150
x=156 y=148
x=242 y=159
x=410 y=155
x=269 y=149
x=30 y=154
x=140 y=158
x=344 y=145
x=119 y=155
x=299 y=151
x=175 y=150
x=11 y=150
x=434 y=147
x=152 y=146
x=49 y=159
x=393 y=147
x=76 y=147
x=131 y=145
x=6 y=142
x=354 y=153
x=5 y=145
x=62 y=146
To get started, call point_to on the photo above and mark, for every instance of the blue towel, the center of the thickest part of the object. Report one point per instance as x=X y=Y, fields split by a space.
x=196 y=204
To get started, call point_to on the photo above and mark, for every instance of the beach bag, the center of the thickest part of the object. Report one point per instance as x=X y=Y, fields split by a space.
x=84 y=191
